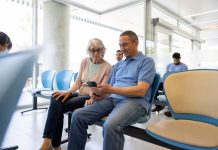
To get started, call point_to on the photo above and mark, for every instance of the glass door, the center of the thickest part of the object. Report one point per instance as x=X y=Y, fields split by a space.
x=163 y=49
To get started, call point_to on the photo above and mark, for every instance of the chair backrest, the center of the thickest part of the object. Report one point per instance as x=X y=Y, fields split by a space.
x=155 y=85
x=63 y=79
x=75 y=75
x=47 y=78
x=193 y=95
x=15 y=69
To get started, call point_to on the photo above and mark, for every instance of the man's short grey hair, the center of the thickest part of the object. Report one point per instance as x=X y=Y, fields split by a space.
x=98 y=43
x=132 y=35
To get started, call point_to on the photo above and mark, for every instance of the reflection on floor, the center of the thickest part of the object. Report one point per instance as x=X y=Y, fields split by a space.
x=26 y=132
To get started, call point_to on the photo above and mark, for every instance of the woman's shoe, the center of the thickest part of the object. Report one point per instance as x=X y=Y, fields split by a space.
x=158 y=108
x=168 y=114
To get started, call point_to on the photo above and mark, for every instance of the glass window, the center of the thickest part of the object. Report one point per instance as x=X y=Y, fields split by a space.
x=163 y=51
x=181 y=43
x=86 y=32
x=82 y=30
x=196 y=45
x=17 y=23
x=187 y=29
x=183 y=46
x=209 y=55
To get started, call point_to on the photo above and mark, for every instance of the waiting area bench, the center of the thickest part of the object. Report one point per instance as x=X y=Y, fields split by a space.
x=51 y=80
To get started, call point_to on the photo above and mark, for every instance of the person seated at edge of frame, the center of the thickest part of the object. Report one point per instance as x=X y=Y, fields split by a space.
x=125 y=99
x=119 y=55
x=5 y=43
x=176 y=66
x=92 y=68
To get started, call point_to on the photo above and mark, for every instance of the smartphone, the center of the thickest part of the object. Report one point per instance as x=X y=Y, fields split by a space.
x=92 y=84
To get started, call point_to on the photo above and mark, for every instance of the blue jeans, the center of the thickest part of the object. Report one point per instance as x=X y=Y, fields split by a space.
x=54 y=123
x=122 y=114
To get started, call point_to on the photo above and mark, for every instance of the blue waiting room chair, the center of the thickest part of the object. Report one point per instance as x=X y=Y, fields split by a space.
x=47 y=78
x=155 y=85
x=61 y=82
x=63 y=79
x=193 y=102
x=161 y=98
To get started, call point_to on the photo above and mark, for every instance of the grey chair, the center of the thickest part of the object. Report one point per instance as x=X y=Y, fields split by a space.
x=15 y=69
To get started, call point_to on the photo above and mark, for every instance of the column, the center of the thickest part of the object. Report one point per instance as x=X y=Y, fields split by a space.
x=56 y=35
x=148 y=26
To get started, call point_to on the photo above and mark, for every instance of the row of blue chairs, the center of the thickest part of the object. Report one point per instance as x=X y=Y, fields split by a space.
x=52 y=80
x=63 y=79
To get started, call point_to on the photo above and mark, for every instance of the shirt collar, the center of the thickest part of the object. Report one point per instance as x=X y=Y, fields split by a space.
x=139 y=54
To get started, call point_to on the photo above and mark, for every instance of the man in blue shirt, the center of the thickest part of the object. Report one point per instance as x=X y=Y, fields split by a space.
x=176 y=66
x=125 y=99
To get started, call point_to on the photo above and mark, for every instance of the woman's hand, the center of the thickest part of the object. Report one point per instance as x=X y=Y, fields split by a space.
x=63 y=96
x=89 y=102
x=84 y=84
x=95 y=97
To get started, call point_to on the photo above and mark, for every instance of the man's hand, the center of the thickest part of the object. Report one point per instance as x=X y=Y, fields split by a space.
x=101 y=90
x=63 y=96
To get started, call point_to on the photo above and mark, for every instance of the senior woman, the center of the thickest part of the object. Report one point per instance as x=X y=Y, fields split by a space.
x=93 y=68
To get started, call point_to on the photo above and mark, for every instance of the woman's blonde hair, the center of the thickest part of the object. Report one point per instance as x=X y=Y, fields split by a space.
x=98 y=43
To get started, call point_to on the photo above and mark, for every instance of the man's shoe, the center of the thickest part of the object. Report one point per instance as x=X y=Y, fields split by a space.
x=168 y=114
x=158 y=108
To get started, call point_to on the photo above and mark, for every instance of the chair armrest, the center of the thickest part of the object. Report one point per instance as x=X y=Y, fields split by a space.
x=38 y=90
x=47 y=93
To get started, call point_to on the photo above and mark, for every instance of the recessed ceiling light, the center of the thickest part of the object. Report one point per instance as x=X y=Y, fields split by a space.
x=210 y=27
x=198 y=14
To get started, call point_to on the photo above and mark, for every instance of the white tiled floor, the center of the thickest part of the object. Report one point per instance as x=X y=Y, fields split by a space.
x=26 y=132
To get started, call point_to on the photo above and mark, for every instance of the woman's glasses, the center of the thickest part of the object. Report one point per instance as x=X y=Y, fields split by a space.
x=98 y=50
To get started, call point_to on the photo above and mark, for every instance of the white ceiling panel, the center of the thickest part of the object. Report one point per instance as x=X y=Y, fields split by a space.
x=101 y=6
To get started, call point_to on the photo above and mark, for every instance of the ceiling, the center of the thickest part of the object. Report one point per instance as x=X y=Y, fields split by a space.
x=202 y=14
x=99 y=6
